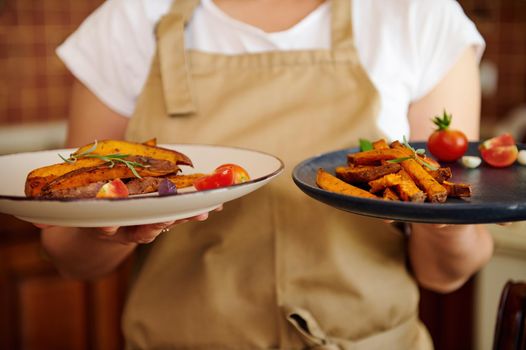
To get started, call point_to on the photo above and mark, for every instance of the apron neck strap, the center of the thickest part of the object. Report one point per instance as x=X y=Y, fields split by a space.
x=184 y=8
x=341 y=24
x=172 y=58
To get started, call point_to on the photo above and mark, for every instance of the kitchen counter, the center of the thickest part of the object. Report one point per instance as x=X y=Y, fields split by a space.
x=32 y=137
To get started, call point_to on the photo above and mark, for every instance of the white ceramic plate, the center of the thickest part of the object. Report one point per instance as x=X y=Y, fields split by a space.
x=134 y=210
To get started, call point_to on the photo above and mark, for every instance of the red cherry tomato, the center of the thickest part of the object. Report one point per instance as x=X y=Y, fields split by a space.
x=113 y=189
x=224 y=175
x=240 y=174
x=220 y=178
x=446 y=144
x=500 y=151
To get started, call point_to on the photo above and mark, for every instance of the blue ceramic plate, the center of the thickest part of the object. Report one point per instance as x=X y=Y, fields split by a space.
x=499 y=195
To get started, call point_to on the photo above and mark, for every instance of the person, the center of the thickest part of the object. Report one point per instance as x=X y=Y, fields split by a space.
x=294 y=78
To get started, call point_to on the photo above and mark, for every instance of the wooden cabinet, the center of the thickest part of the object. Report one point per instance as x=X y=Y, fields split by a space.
x=41 y=310
x=449 y=317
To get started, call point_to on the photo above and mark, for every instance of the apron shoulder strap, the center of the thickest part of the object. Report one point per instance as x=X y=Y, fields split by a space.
x=172 y=57
x=341 y=22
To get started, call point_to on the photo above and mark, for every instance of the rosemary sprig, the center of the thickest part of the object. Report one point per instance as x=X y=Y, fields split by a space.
x=111 y=159
x=417 y=153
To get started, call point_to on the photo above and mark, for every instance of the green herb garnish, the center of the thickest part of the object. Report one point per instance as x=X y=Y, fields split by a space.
x=111 y=159
x=443 y=122
x=365 y=145
x=417 y=153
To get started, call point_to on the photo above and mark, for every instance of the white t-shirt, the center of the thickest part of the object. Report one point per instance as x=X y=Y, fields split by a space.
x=406 y=46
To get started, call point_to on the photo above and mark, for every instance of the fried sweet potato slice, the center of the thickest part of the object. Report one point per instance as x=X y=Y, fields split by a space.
x=441 y=174
x=380 y=144
x=374 y=156
x=435 y=192
x=390 y=195
x=331 y=183
x=408 y=190
x=365 y=173
x=457 y=190
x=402 y=183
x=84 y=176
x=384 y=182
x=417 y=178
x=437 y=173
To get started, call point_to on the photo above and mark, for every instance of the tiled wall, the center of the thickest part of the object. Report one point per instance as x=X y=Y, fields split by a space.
x=34 y=84
x=503 y=25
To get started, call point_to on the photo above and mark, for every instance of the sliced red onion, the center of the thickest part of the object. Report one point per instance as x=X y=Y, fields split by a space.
x=167 y=188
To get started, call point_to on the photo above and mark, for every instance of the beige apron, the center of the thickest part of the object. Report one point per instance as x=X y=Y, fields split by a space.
x=275 y=269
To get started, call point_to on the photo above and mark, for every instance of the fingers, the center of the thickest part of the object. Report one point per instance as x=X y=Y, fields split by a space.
x=200 y=217
x=144 y=234
x=440 y=225
x=41 y=226
x=139 y=234
x=109 y=231
x=446 y=225
x=147 y=233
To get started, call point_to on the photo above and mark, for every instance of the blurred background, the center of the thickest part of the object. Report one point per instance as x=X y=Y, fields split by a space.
x=40 y=310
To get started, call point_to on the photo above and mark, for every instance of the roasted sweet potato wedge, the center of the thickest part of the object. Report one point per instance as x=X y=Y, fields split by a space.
x=38 y=178
x=182 y=181
x=106 y=147
x=85 y=176
x=151 y=142
x=151 y=184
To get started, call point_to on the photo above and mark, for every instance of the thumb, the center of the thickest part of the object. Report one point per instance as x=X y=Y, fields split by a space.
x=109 y=230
